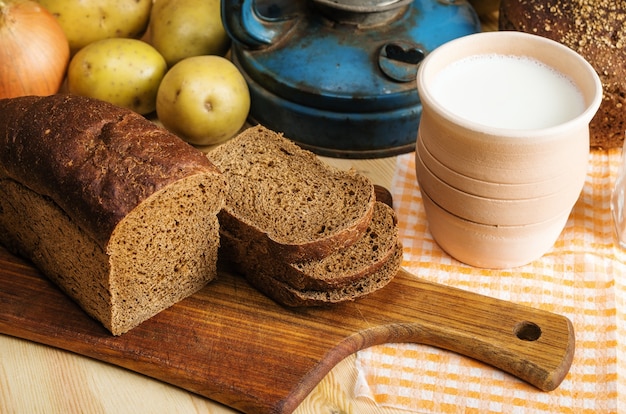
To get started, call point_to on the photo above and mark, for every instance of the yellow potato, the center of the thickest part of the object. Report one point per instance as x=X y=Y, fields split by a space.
x=203 y=99
x=184 y=28
x=86 y=21
x=125 y=72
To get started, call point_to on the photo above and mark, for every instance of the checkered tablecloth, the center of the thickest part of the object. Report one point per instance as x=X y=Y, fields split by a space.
x=582 y=277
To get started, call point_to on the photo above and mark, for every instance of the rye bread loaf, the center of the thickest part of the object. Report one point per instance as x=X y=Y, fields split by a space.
x=596 y=29
x=119 y=213
x=335 y=271
x=284 y=195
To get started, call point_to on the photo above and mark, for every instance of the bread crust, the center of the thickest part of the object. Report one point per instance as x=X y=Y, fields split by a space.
x=95 y=160
x=596 y=29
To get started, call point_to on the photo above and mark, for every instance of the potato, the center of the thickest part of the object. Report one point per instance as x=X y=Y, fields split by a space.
x=184 y=28
x=203 y=99
x=86 y=21
x=125 y=72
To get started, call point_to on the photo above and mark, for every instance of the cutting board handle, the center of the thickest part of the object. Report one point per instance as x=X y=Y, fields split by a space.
x=534 y=345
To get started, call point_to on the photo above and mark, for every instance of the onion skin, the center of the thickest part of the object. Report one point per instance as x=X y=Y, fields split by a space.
x=34 y=51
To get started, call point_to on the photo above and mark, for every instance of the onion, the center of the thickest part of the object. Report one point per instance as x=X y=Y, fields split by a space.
x=34 y=51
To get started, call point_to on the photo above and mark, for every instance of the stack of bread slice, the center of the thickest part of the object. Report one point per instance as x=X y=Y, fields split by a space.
x=300 y=231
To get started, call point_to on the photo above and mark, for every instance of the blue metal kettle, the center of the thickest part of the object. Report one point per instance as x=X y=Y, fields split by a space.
x=338 y=76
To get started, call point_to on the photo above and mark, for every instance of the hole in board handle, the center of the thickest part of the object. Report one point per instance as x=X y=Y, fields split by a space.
x=527 y=331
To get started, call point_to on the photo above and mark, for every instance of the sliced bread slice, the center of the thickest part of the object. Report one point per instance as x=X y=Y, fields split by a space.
x=338 y=270
x=264 y=279
x=303 y=208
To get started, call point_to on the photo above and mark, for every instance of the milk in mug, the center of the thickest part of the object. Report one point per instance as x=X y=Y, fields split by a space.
x=504 y=91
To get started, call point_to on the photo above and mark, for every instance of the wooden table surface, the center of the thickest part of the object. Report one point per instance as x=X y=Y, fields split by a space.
x=36 y=378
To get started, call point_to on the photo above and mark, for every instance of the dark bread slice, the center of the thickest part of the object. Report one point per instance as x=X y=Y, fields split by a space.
x=338 y=270
x=284 y=195
x=262 y=277
x=121 y=214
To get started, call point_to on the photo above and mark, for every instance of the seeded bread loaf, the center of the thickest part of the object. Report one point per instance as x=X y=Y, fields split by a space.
x=335 y=271
x=596 y=29
x=302 y=208
x=121 y=214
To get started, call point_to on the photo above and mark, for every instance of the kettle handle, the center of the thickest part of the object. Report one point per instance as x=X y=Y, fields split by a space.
x=244 y=24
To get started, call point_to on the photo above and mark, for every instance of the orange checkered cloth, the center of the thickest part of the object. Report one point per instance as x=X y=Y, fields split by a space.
x=582 y=277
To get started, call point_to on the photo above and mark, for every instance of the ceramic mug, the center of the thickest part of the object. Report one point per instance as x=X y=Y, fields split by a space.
x=472 y=140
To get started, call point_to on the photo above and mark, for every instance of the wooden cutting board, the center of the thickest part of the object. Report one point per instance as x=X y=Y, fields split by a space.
x=231 y=344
